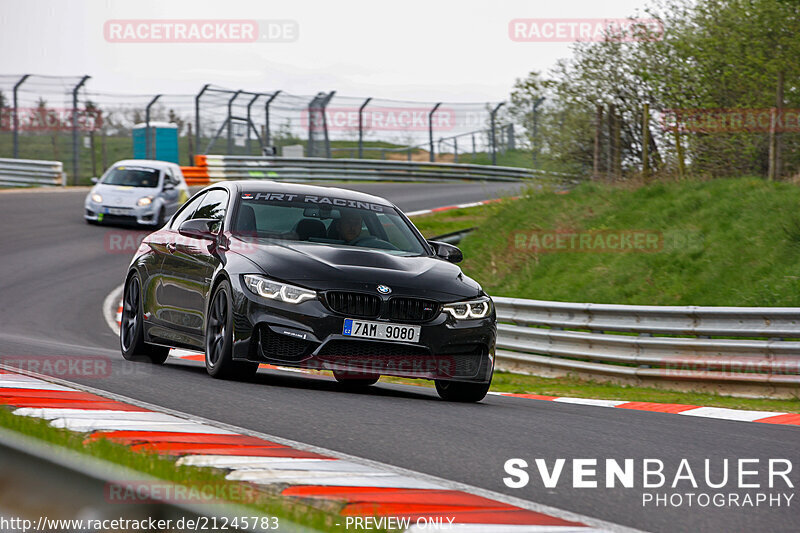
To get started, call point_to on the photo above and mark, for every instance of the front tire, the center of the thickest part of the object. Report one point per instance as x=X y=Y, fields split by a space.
x=458 y=391
x=131 y=328
x=219 y=338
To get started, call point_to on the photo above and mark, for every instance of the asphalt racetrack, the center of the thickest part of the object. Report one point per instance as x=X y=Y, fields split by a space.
x=56 y=271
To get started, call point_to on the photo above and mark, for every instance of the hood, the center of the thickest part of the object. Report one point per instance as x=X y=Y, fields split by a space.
x=321 y=267
x=121 y=196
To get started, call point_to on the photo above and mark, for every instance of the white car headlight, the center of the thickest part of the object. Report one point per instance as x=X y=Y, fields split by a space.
x=275 y=290
x=479 y=308
x=96 y=198
x=144 y=201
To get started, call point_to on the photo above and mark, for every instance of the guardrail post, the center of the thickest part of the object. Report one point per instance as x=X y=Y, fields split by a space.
x=197 y=114
x=493 y=115
x=361 y=128
x=430 y=131
x=75 y=148
x=149 y=151
x=267 y=135
x=16 y=114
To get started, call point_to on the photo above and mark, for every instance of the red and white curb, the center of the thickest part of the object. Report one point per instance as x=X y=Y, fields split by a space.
x=741 y=415
x=294 y=470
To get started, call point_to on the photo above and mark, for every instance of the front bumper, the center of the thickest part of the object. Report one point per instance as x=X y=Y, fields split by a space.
x=146 y=216
x=309 y=335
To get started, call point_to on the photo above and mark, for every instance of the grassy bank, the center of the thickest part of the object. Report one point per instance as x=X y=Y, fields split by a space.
x=732 y=242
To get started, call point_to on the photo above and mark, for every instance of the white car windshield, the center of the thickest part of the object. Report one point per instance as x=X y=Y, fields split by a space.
x=132 y=176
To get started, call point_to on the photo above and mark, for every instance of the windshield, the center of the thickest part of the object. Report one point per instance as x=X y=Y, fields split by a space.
x=325 y=221
x=132 y=177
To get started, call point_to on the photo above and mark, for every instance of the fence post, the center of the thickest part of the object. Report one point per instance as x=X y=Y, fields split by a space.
x=197 y=116
x=598 y=133
x=16 y=114
x=250 y=122
x=190 y=139
x=361 y=128
x=325 y=103
x=267 y=136
x=430 y=131
x=149 y=152
x=774 y=165
x=230 y=120
x=535 y=139
x=75 y=148
x=645 y=140
x=493 y=115
x=679 y=149
x=455 y=149
x=610 y=144
x=474 y=152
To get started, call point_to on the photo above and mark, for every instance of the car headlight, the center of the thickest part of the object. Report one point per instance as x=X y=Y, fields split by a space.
x=96 y=198
x=479 y=308
x=275 y=290
x=144 y=201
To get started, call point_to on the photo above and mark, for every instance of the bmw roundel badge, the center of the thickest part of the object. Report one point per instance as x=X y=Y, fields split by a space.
x=384 y=289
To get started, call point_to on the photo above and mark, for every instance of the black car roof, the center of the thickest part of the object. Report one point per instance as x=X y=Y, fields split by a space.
x=299 y=188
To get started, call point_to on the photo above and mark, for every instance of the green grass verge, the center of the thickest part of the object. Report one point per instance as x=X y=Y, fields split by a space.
x=579 y=388
x=164 y=467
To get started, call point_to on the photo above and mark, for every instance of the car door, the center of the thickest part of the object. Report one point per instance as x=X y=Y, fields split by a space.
x=189 y=267
x=160 y=302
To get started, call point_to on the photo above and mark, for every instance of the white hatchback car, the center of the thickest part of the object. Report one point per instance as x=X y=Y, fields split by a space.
x=137 y=191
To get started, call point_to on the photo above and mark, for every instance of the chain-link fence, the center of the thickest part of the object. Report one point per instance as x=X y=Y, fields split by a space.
x=63 y=119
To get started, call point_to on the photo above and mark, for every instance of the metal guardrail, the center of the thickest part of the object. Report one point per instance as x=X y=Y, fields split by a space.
x=30 y=173
x=244 y=167
x=652 y=341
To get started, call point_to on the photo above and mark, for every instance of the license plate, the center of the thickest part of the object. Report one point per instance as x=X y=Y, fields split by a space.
x=380 y=330
x=117 y=211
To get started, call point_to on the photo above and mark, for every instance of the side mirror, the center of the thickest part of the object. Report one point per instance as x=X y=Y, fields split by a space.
x=168 y=186
x=446 y=251
x=95 y=180
x=199 y=228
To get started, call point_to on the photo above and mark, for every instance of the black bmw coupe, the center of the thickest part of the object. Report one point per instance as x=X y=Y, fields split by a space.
x=313 y=277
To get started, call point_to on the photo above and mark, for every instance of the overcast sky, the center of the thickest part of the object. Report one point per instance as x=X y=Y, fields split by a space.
x=453 y=50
